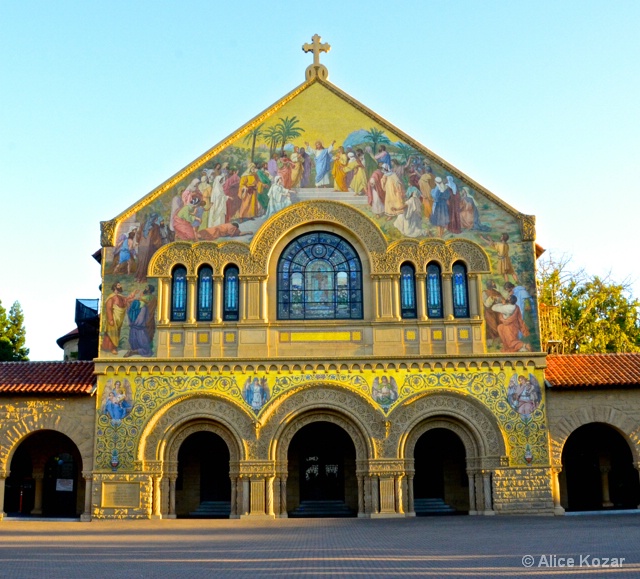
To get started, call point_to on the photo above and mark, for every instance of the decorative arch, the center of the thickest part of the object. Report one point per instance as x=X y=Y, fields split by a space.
x=473 y=417
x=361 y=420
x=281 y=444
x=160 y=432
x=609 y=415
x=186 y=429
x=420 y=253
x=367 y=232
x=81 y=436
x=461 y=430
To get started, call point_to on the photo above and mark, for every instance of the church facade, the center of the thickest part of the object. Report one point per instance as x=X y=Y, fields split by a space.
x=318 y=316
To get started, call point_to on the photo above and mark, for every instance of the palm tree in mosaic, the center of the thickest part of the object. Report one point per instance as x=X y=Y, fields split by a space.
x=406 y=152
x=271 y=136
x=252 y=136
x=288 y=131
x=376 y=136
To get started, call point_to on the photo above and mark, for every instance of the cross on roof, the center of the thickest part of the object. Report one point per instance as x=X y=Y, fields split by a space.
x=316 y=69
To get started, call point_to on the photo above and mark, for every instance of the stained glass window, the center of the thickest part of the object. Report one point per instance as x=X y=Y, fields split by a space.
x=460 y=292
x=408 y=291
x=231 y=294
x=434 y=291
x=205 y=294
x=179 y=294
x=319 y=278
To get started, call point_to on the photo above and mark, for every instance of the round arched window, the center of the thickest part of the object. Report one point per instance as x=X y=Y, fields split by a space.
x=319 y=278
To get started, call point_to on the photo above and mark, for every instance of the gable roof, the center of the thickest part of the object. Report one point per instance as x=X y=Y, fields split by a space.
x=108 y=228
x=593 y=371
x=52 y=378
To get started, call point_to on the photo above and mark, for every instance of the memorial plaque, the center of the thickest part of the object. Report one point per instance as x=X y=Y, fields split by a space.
x=119 y=494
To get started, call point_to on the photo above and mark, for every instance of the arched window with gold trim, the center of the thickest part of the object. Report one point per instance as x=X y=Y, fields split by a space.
x=408 y=307
x=319 y=278
x=434 y=291
x=460 y=289
x=179 y=294
x=205 y=294
x=231 y=298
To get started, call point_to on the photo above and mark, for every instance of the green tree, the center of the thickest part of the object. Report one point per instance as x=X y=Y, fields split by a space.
x=12 y=334
x=252 y=137
x=271 y=136
x=406 y=152
x=597 y=314
x=376 y=136
x=287 y=131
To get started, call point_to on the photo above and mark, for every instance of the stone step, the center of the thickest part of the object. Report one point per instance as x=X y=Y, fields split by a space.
x=322 y=509
x=432 y=506
x=212 y=510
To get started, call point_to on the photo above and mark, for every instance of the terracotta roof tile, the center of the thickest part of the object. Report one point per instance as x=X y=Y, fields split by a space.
x=67 y=378
x=593 y=370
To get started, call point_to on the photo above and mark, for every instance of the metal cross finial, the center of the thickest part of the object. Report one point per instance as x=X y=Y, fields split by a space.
x=316 y=69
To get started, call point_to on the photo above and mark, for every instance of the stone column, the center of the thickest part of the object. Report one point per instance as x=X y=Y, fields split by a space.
x=283 y=497
x=472 y=492
x=85 y=517
x=156 y=514
x=245 y=495
x=474 y=310
x=164 y=299
x=486 y=480
x=447 y=296
x=604 y=475
x=399 y=495
x=368 y=503
x=217 y=298
x=421 y=296
x=172 y=497
x=375 y=494
x=411 y=509
x=37 y=502
x=234 y=498
x=555 y=491
x=192 y=281
x=360 y=479
x=276 y=496
x=269 y=502
x=3 y=477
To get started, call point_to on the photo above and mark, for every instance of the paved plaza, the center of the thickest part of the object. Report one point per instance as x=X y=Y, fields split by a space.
x=421 y=547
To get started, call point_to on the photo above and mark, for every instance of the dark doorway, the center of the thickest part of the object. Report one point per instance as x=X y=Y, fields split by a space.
x=45 y=478
x=322 y=480
x=203 y=487
x=440 y=484
x=597 y=471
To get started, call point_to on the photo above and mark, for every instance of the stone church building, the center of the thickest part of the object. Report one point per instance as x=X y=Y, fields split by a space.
x=319 y=317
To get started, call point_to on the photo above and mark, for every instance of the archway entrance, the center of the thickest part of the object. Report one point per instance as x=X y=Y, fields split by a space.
x=203 y=487
x=45 y=477
x=440 y=484
x=597 y=471
x=321 y=478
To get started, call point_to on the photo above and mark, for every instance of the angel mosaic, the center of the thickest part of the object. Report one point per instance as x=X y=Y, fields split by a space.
x=524 y=394
x=117 y=399
x=385 y=390
x=256 y=393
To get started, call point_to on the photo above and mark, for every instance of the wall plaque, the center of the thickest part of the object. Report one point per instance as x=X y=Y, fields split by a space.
x=119 y=494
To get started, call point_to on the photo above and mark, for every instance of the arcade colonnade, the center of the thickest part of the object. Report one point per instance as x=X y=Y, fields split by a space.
x=258 y=451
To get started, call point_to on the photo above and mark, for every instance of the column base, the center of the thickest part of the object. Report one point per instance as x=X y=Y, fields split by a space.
x=409 y=514
x=474 y=513
x=155 y=517
x=387 y=515
x=2 y=515
x=36 y=512
x=258 y=517
x=558 y=511
x=170 y=516
x=85 y=518
x=283 y=516
x=488 y=513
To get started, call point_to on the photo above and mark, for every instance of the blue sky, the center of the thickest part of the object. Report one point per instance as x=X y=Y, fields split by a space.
x=102 y=102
